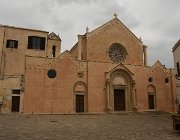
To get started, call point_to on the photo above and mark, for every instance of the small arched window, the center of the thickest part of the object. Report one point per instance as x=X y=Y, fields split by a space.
x=150 y=79
x=166 y=80
x=53 y=51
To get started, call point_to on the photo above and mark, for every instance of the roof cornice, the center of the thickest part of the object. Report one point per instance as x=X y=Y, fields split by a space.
x=176 y=45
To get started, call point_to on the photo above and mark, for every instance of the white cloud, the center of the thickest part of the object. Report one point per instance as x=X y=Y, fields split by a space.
x=156 y=21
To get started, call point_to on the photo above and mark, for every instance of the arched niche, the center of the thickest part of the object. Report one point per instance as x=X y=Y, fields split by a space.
x=80 y=97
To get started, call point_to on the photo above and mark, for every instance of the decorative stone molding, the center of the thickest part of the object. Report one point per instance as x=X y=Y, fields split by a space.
x=80 y=74
x=124 y=82
x=151 y=88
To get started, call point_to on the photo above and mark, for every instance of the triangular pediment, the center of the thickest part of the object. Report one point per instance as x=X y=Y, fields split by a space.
x=53 y=36
x=176 y=45
x=112 y=23
x=120 y=67
x=158 y=64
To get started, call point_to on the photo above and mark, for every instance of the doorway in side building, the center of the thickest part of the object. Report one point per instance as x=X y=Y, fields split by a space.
x=79 y=103
x=15 y=103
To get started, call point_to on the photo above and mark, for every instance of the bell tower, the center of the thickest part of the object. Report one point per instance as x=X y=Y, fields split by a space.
x=53 y=46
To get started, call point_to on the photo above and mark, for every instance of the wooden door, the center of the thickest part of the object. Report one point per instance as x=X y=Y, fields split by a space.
x=119 y=100
x=79 y=103
x=151 y=101
x=15 y=103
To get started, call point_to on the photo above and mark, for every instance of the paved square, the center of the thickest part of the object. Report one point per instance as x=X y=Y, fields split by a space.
x=127 y=126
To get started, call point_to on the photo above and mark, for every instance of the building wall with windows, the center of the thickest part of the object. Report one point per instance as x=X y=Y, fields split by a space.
x=176 y=54
x=16 y=45
x=105 y=71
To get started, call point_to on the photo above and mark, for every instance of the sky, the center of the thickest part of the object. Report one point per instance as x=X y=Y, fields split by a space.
x=157 y=22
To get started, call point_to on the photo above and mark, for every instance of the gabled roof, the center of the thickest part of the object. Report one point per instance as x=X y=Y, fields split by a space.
x=53 y=36
x=158 y=64
x=74 y=47
x=176 y=45
x=66 y=54
x=104 y=26
x=111 y=21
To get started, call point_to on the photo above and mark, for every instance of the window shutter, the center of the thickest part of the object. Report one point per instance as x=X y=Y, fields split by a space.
x=42 y=47
x=16 y=44
x=7 y=43
x=30 y=42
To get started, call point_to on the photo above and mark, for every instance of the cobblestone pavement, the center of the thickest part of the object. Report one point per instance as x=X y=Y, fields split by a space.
x=127 y=126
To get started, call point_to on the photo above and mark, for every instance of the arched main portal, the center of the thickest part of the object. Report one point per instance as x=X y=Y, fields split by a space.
x=120 y=91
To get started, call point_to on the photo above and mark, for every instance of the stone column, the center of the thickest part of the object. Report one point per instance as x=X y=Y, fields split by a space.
x=134 y=100
x=145 y=55
x=79 y=47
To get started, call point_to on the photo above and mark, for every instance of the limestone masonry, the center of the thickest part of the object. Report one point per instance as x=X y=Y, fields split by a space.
x=105 y=71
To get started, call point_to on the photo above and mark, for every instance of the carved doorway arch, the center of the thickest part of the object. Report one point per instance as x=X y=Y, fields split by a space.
x=120 y=82
x=80 y=97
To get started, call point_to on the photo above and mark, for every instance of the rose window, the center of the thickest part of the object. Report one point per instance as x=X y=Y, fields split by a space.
x=117 y=53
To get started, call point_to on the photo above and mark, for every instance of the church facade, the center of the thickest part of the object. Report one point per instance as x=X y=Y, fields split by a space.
x=105 y=71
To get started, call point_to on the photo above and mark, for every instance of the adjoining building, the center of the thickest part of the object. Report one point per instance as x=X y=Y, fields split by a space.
x=105 y=71
x=176 y=54
x=18 y=46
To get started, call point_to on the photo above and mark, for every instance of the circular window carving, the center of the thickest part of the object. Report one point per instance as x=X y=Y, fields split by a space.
x=51 y=73
x=117 y=53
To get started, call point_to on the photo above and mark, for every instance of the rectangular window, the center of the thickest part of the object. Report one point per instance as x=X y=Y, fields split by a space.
x=178 y=69
x=16 y=91
x=12 y=44
x=35 y=42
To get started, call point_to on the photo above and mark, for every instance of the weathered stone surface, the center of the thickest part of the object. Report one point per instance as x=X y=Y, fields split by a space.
x=126 y=126
x=90 y=63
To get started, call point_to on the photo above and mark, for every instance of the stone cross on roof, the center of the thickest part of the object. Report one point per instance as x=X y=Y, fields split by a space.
x=115 y=15
x=87 y=29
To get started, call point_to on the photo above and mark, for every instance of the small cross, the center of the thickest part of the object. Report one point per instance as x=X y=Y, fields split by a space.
x=115 y=15
x=140 y=38
x=87 y=29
